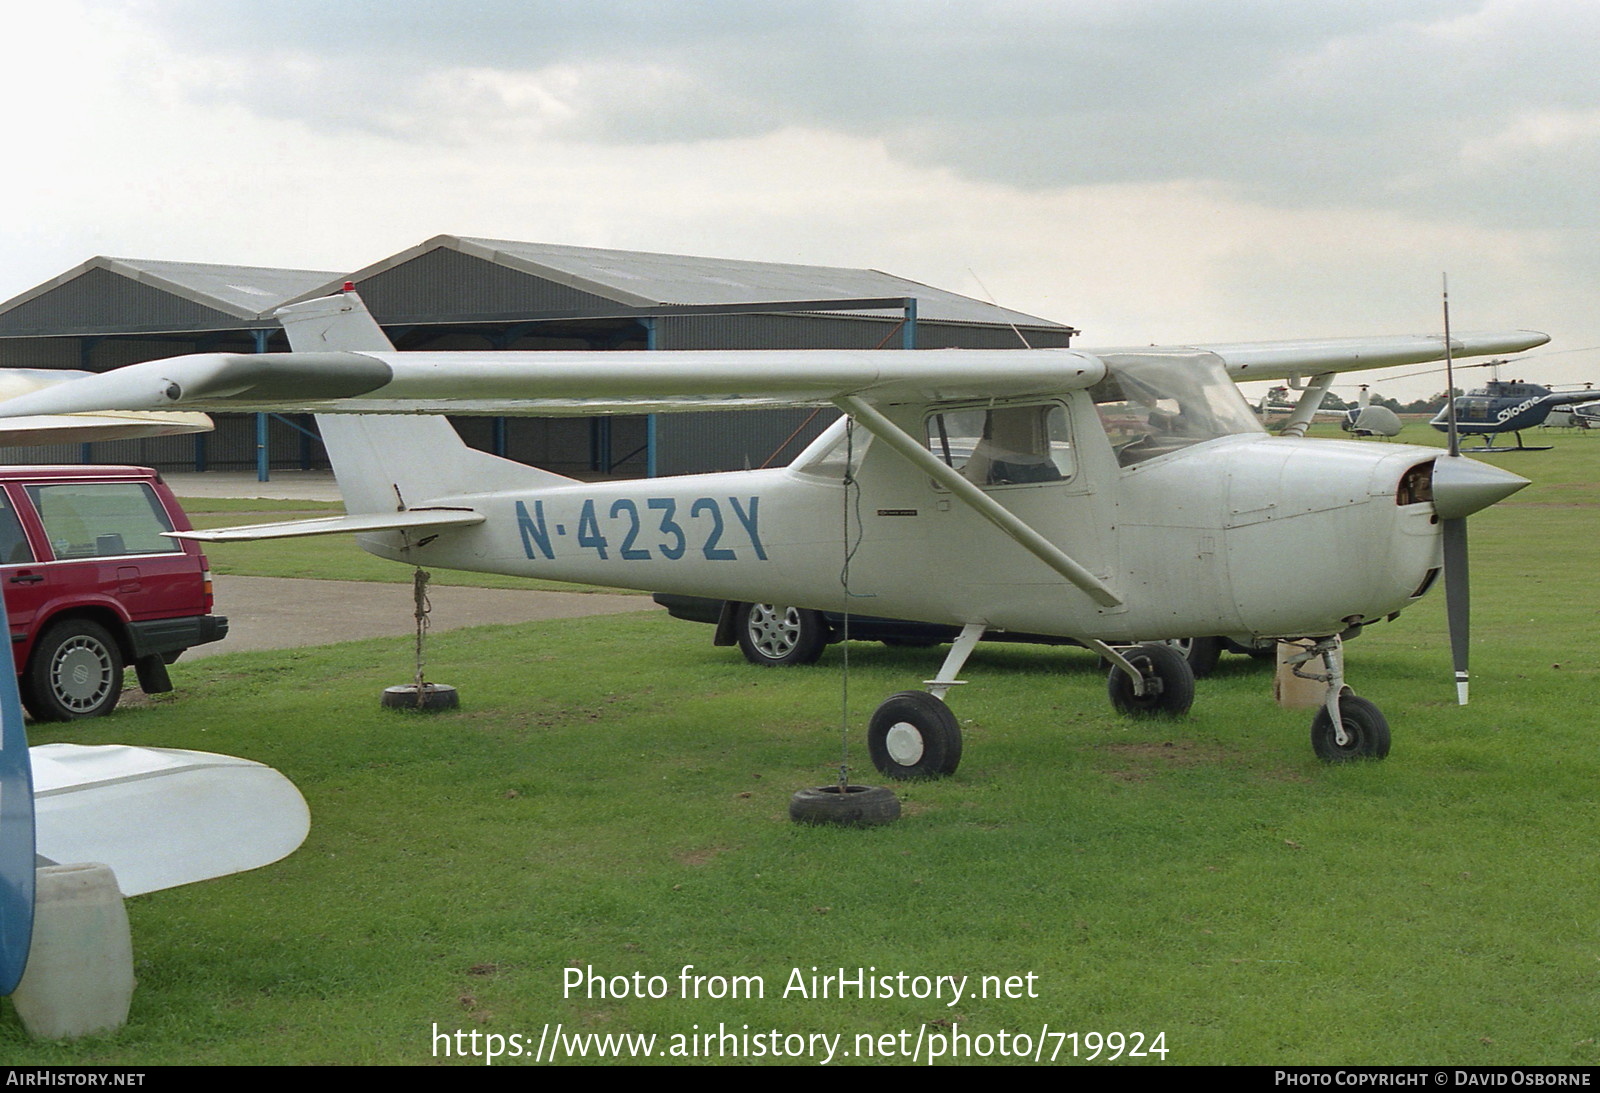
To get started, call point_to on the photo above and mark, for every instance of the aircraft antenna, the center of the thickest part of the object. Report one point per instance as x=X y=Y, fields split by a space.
x=990 y=298
x=1449 y=369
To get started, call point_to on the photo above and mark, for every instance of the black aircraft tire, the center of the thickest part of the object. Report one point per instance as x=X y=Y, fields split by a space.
x=854 y=806
x=1365 y=724
x=914 y=735
x=1170 y=683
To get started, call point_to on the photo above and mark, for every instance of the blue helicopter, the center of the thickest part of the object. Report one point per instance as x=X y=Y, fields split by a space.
x=1506 y=406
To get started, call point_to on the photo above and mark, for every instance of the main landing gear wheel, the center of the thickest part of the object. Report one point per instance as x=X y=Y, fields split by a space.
x=776 y=636
x=914 y=735
x=1365 y=727
x=850 y=806
x=1168 y=683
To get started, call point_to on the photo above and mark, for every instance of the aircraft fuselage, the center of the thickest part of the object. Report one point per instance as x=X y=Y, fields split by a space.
x=1194 y=542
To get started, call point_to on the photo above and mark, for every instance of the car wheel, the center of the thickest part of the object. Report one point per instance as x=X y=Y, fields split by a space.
x=1201 y=653
x=75 y=672
x=776 y=636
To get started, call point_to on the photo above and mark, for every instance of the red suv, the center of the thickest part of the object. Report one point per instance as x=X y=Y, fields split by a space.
x=93 y=586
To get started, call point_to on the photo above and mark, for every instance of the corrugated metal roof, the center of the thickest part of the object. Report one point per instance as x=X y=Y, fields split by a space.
x=646 y=279
x=244 y=292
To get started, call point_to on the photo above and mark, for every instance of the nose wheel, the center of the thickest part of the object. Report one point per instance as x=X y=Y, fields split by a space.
x=1347 y=727
x=1363 y=732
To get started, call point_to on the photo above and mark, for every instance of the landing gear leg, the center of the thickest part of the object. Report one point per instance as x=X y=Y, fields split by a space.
x=1347 y=727
x=914 y=734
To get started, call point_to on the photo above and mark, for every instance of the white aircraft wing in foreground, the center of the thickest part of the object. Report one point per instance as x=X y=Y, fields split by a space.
x=161 y=817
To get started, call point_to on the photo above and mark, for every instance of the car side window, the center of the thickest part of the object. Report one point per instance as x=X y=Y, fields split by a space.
x=14 y=548
x=103 y=519
x=1005 y=445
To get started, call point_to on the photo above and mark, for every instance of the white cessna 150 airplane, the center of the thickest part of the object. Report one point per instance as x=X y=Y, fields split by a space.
x=1104 y=495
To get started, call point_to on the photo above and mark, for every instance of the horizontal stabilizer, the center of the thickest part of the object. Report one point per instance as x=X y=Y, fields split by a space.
x=161 y=817
x=336 y=525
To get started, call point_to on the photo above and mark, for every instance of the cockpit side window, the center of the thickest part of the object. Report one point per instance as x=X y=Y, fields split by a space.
x=1005 y=445
x=837 y=453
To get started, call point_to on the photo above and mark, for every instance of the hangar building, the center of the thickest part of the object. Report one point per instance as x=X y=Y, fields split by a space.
x=452 y=292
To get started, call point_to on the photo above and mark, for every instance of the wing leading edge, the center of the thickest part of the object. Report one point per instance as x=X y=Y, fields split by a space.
x=562 y=382
x=556 y=383
x=1281 y=360
x=82 y=428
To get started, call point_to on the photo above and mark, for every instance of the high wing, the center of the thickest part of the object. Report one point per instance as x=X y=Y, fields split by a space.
x=1284 y=360
x=583 y=383
x=82 y=428
x=557 y=383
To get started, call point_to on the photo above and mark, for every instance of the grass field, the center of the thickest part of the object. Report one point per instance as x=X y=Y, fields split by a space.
x=613 y=797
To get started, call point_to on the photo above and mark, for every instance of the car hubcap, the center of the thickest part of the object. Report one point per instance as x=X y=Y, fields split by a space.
x=904 y=744
x=774 y=631
x=82 y=674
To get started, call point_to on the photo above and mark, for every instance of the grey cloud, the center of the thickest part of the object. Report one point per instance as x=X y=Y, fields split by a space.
x=1367 y=104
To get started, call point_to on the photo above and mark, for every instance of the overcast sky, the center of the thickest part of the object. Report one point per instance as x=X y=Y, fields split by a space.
x=1146 y=170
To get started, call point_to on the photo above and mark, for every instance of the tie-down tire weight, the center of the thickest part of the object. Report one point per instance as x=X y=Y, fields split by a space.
x=914 y=735
x=1168 y=683
x=845 y=806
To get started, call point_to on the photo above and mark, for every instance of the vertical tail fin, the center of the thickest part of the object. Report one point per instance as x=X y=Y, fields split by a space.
x=385 y=463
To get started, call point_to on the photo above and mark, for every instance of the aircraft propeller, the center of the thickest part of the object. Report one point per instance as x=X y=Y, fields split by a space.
x=1461 y=487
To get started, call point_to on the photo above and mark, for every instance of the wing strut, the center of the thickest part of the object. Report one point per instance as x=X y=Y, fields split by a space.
x=980 y=502
x=1306 y=409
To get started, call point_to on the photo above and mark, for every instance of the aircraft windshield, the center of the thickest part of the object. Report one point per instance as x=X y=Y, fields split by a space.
x=1153 y=404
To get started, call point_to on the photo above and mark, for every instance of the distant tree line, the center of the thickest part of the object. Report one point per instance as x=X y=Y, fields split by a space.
x=1430 y=405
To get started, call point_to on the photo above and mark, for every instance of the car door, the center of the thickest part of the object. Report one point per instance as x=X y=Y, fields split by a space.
x=24 y=581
